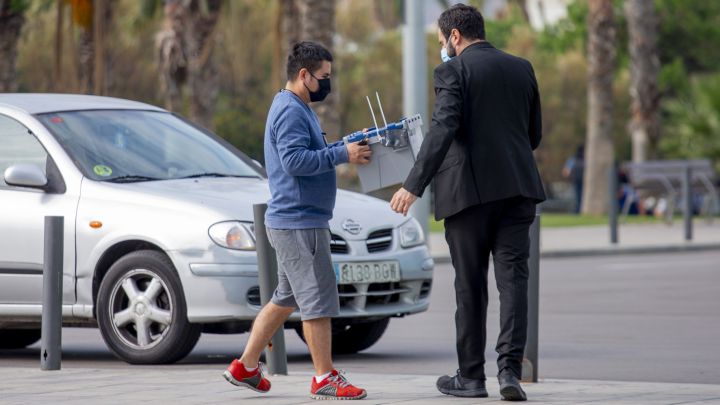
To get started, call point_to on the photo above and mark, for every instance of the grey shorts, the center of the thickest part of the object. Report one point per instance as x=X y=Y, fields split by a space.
x=306 y=278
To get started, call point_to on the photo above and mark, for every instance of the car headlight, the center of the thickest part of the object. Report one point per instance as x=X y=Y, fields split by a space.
x=411 y=234
x=233 y=235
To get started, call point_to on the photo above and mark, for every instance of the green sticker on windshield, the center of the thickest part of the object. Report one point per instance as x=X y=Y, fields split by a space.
x=102 y=170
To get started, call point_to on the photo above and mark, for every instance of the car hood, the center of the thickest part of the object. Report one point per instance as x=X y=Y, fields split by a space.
x=233 y=199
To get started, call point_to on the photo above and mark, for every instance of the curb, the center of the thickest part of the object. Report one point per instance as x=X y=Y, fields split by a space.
x=612 y=251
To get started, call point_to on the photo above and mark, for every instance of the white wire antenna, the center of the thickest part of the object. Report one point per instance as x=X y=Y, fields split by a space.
x=372 y=113
x=382 y=113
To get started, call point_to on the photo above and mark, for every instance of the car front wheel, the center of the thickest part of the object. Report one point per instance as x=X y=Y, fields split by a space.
x=141 y=310
x=355 y=337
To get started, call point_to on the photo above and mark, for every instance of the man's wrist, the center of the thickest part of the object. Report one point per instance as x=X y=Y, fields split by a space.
x=341 y=154
x=411 y=190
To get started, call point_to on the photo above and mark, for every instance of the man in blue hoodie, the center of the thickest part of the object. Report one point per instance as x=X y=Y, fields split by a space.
x=301 y=172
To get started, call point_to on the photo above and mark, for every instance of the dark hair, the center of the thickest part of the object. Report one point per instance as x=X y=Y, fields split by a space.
x=308 y=55
x=466 y=19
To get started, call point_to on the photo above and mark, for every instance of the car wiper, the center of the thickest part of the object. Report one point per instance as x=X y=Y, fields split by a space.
x=131 y=179
x=211 y=174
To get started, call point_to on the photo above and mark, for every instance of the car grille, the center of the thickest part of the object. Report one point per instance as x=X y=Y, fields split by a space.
x=362 y=296
x=425 y=289
x=376 y=293
x=253 y=296
x=379 y=241
x=347 y=293
x=338 y=245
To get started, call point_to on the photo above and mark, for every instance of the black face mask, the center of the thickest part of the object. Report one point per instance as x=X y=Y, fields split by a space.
x=321 y=92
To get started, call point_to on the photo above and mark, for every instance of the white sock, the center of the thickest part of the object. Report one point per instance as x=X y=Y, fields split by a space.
x=319 y=378
x=250 y=369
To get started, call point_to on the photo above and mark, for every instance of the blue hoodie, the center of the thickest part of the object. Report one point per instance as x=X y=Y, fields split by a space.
x=300 y=166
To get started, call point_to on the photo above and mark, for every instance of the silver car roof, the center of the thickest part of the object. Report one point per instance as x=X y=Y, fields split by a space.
x=36 y=103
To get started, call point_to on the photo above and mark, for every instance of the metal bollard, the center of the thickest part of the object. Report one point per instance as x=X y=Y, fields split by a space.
x=51 y=328
x=613 y=203
x=276 y=356
x=687 y=202
x=531 y=346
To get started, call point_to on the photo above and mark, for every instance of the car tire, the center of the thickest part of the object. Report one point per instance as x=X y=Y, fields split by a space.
x=18 y=338
x=141 y=310
x=353 y=338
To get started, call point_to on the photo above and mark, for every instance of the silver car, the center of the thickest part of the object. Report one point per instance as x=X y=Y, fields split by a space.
x=159 y=243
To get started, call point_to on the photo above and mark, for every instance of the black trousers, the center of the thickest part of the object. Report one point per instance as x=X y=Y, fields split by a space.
x=501 y=228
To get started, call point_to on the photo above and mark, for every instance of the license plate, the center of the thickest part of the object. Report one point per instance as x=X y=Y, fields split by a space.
x=367 y=272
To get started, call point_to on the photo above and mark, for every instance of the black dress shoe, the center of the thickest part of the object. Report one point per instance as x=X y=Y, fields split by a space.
x=510 y=387
x=461 y=387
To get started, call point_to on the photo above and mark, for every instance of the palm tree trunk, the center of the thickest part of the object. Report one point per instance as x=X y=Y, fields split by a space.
x=202 y=73
x=59 y=23
x=185 y=54
x=86 y=61
x=277 y=75
x=644 y=68
x=102 y=18
x=291 y=24
x=318 y=25
x=11 y=23
x=171 y=59
x=599 y=151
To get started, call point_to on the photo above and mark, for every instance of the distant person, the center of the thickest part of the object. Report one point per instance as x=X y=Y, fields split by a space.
x=628 y=199
x=479 y=149
x=574 y=171
x=301 y=173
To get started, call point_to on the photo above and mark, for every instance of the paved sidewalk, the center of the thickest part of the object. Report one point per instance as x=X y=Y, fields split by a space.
x=172 y=385
x=595 y=240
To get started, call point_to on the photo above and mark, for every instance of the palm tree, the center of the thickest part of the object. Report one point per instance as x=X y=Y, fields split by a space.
x=94 y=18
x=313 y=20
x=644 y=67
x=171 y=57
x=599 y=152
x=102 y=18
x=12 y=20
x=185 y=56
x=82 y=17
x=202 y=72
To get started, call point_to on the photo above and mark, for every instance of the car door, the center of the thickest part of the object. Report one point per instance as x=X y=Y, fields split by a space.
x=22 y=212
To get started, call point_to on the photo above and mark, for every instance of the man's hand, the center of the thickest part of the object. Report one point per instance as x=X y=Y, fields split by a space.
x=402 y=200
x=359 y=154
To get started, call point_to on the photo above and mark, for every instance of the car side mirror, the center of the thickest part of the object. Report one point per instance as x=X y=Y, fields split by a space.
x=25 y=175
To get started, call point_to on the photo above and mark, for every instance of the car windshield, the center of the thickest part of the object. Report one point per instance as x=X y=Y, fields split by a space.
x=132 y=146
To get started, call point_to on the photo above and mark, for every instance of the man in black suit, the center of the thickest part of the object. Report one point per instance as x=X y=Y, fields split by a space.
x=479 y=149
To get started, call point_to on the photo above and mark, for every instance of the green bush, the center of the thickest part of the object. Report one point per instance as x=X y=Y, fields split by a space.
x=693 y=129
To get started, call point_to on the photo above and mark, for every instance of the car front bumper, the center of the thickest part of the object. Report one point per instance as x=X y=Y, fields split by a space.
x=221 y=285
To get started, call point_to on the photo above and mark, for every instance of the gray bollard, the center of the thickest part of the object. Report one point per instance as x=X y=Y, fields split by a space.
x=531 y=346
x=276 y=356
x=613 y=204
x=51 y=332
x=687 y=202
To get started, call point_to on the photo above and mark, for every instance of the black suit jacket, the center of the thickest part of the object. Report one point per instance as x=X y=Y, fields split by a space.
x=485 y=124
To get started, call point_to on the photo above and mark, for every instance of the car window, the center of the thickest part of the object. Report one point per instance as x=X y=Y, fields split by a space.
x=19 y=145
x=133 y=145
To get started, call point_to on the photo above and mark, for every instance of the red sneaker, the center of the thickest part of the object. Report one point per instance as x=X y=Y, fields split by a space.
x=237 y=374
x=335 y=386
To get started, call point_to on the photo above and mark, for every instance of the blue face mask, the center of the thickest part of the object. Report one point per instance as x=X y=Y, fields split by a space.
x=444 y=55
x=445 y=52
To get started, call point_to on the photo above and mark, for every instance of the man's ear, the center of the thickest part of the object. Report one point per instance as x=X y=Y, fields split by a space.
x=302 y=73
x=457 y=35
